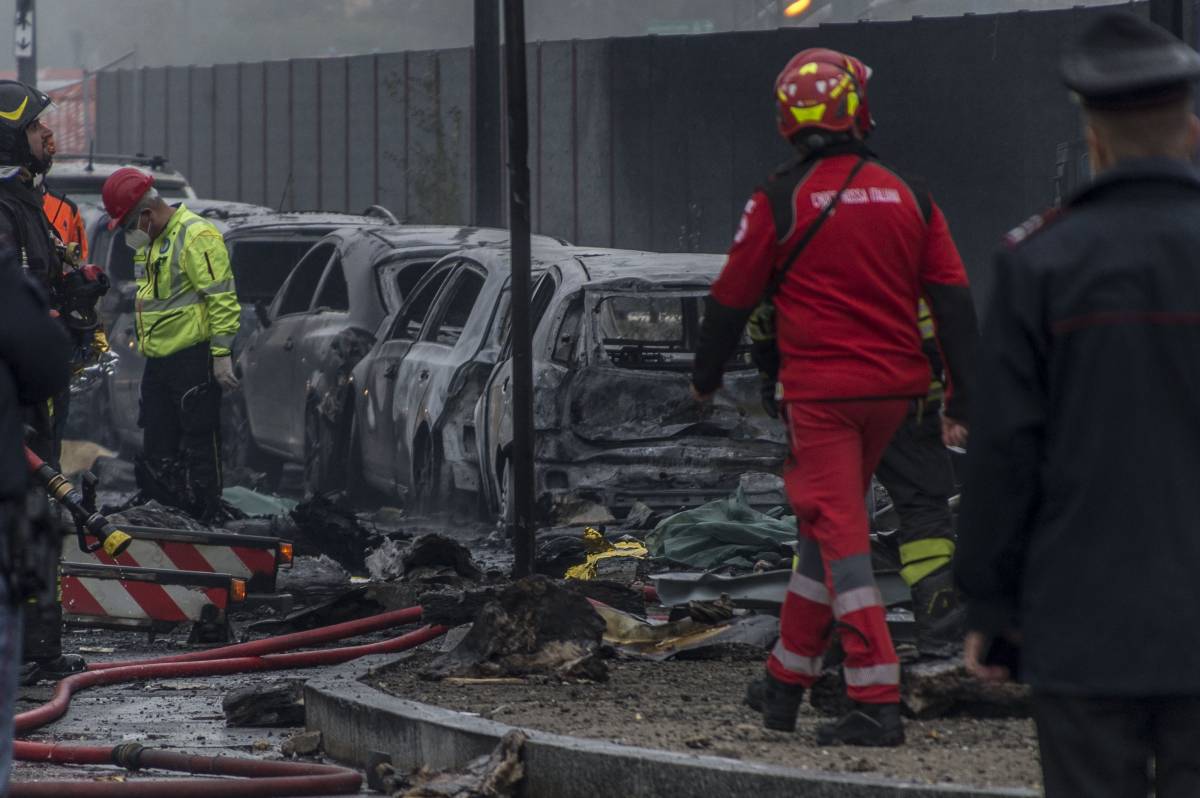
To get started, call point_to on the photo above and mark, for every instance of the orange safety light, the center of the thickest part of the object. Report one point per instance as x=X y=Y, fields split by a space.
x=237 y=589
x=283 y=555
x=796 y=8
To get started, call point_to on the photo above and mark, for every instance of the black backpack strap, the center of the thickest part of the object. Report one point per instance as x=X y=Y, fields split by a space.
x=781 y=273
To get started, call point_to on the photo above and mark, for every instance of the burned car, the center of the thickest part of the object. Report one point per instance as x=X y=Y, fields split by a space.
x=297 y=368
x=414 y=427
x=263 y=248
x=614 y=416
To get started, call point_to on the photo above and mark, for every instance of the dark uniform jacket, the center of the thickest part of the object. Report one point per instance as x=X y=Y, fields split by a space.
x=1079 y=521
x=23 y=219
x=34 y=355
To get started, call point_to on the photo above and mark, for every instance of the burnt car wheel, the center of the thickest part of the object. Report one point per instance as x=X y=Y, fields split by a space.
x=322 y=473
x=505 y=513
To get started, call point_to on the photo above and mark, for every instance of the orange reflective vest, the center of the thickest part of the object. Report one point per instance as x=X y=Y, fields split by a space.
x=64 y=217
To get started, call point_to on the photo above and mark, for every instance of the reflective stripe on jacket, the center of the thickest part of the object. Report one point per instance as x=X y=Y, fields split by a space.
x=186 y=294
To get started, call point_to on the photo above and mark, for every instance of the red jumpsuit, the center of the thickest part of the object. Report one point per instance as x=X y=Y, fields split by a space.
x=851 y=363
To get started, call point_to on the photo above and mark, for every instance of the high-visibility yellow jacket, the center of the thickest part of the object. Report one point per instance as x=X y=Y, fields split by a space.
x=186 y=293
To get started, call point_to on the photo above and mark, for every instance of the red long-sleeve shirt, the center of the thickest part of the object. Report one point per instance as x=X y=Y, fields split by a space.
x=847 y=308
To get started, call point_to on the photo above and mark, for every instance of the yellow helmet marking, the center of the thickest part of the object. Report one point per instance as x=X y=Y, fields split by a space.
x=13 y=116
x=808 y=69
x=812 y=113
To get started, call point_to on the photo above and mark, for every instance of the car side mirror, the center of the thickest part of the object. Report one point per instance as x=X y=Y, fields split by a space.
x=262 y=314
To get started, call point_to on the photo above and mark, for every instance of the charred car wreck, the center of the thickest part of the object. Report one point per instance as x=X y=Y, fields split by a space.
x=616 y=423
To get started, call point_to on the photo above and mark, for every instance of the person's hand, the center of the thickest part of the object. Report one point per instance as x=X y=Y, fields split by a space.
x=974 y=650
x=223 y=371
x=701 y=397
x=954 y=433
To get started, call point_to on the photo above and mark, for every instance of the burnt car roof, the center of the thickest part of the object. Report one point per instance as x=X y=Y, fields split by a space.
x=614 y=266
x=324 y=220
x=453 y=236
x=595 y=265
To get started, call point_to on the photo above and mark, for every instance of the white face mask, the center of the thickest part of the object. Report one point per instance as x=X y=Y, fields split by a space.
x=137 y=238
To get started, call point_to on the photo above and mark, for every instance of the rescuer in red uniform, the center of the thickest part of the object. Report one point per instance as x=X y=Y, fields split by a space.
x=835 y=251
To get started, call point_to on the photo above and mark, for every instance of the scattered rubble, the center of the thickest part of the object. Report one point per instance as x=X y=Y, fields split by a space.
x=313 y=578
x=574 y=511
x=326 y=526
x=429 y=557
x=275 y=704
x=155 y=514
x=303 y=744
x=359 y=602
x=640 y=516
x=747 y=636
x=533 y=626
x=497 y=775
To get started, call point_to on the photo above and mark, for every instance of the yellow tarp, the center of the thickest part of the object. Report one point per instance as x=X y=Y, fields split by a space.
x=600 y=549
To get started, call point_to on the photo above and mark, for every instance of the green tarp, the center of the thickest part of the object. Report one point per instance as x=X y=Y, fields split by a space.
x=727 y=532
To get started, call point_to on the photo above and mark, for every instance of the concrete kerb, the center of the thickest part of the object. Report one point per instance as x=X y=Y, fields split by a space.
x=356 y=719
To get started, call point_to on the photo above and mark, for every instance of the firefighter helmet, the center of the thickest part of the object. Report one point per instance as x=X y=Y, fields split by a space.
x=19 y=106
x=823 y=89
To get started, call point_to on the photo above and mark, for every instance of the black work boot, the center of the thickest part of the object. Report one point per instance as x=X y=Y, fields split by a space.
x=756 y=693
x=51 y=670
x=780 y=703
x=940 y=619
x=876 y=725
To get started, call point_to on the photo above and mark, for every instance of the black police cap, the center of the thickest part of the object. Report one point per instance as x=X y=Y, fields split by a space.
x=1123 y=61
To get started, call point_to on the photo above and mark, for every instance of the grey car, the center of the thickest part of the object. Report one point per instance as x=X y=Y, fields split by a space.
x=613 y=412
x=327 y=316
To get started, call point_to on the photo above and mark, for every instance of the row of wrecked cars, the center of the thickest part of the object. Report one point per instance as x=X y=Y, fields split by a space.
x=377 y=356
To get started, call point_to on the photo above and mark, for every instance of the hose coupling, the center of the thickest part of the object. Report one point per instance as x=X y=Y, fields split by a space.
x=128 y=755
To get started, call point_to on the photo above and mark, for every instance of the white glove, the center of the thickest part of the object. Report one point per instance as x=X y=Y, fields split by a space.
x=223 y=371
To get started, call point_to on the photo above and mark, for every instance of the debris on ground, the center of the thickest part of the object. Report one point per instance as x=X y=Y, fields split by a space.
x=640 y=516
x=455 y=607
x=313 y=578
x=714 y=611
x=932 y=689
x=617 y=595
x=154 y=514
x=257 y=505
x=350 y=605
x=728 y=532
x=115 y=474
x=496 y=775
x=631 y=636
x=599 y=551
x=574 y=511
x=696 y=707
x=325 y=525
x=303 y=744
x=533 y=626
x=275 y=704
x=428 y=558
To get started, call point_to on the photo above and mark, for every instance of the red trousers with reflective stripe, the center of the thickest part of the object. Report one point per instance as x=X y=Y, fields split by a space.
x=835 y=447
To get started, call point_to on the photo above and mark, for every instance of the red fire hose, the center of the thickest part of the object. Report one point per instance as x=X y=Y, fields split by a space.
x=267 y=778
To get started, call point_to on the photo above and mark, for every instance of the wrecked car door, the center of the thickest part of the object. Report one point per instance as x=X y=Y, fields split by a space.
x=428 y=367
x=377 y=375
x=493 y=411
x=270 y=370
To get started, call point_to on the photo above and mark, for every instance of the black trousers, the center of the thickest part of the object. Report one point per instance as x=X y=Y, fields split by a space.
x=181 y=405
x=1119 y=747
x=918 y=475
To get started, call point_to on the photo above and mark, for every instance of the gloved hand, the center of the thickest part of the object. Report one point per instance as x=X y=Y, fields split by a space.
x=223 y=371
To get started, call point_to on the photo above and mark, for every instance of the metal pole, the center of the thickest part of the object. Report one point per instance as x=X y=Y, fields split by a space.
x=488 y=146
x=25 y=42
x=522 y=349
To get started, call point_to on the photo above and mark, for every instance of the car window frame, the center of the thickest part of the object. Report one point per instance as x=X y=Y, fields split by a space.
x=334 y=266
x=277 y=303
x=441 y=303
x=402 y=261
x=449 y=268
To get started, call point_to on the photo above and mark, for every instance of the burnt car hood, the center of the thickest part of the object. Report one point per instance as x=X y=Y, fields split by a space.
x=613 y=406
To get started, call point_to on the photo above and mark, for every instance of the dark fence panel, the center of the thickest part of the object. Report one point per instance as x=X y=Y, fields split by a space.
x=646 y=143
